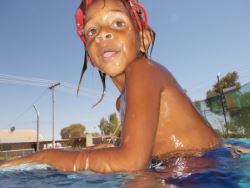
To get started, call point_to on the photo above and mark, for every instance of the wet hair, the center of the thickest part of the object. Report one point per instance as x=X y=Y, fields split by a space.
x=139 y=17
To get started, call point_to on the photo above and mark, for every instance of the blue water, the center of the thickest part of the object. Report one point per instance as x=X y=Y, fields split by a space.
x=214 y=170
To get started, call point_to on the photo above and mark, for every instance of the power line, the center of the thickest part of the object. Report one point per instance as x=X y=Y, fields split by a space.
x=204 y=84
x=28 y=108
x=18 y=80
x=13 y=77
x=68 y=87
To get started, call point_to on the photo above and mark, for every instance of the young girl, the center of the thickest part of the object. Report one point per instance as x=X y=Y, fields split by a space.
x=159 y=121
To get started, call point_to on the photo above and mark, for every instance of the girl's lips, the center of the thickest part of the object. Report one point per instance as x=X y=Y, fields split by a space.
x=108 y=54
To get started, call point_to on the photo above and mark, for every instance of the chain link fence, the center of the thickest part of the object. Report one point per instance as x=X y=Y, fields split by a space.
x=229 y=111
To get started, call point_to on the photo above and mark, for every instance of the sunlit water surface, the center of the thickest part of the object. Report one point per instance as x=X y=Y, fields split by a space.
x=215 y=169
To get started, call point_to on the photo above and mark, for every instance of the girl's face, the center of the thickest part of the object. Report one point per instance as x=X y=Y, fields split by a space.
x=112 y=39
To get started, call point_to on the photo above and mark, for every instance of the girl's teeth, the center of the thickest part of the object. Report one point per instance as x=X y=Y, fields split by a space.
x=108 y=54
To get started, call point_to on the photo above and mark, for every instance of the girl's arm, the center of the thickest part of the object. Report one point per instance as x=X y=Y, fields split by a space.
x=59 y=159
x=143 y=92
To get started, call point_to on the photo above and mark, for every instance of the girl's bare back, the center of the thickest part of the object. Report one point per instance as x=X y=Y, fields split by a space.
x=181 y=130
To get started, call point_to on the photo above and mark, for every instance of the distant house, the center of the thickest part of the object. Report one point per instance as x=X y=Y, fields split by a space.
x=18 y=136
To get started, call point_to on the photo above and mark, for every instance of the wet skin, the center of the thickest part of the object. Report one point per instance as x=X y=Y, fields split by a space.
x=159 y=119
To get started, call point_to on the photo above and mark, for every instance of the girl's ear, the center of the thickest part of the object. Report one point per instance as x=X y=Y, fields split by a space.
x=145 y=40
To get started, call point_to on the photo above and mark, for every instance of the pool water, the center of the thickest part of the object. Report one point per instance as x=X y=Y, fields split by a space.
x=215 y=169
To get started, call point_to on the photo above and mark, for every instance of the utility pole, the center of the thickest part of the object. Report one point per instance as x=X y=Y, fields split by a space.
x=52 y=88
x=37 y=128
x=222 y=103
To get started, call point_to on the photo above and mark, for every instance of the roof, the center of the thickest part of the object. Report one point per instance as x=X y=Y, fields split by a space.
x=18 y=135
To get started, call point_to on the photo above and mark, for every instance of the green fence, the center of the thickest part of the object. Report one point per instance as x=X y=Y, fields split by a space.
x=229 y=111
x=12 y=154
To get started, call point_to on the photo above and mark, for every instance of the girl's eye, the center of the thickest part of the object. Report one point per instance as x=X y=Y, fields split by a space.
x=119 y=24
x=91 y=32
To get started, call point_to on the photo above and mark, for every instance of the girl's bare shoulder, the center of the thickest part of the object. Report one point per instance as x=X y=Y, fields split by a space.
x=156 y=73
x=148 y=69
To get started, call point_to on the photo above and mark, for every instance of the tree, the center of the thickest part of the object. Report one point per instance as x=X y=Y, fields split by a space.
x=104 y=126
x=73 y=131
x=114 y=124
x=240 y=118
x=111 y=126
x=197 y=104
x=230 y=80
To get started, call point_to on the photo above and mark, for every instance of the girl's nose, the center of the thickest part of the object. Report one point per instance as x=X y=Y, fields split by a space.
x=103 y=36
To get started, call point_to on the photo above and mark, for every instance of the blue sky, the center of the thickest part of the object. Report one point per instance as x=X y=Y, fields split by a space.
x=196 y=39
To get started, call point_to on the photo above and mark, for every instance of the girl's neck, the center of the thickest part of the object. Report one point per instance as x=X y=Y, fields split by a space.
x=119 y=81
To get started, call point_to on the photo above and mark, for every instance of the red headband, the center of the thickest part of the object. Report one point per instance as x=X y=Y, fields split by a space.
x=79 y=16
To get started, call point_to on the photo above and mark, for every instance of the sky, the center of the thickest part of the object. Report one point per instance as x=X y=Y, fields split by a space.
x=195 y=40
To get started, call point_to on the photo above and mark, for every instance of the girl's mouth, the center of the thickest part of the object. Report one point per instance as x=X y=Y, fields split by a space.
x=108 y=54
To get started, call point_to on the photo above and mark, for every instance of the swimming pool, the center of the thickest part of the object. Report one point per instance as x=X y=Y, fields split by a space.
x=216 y=169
